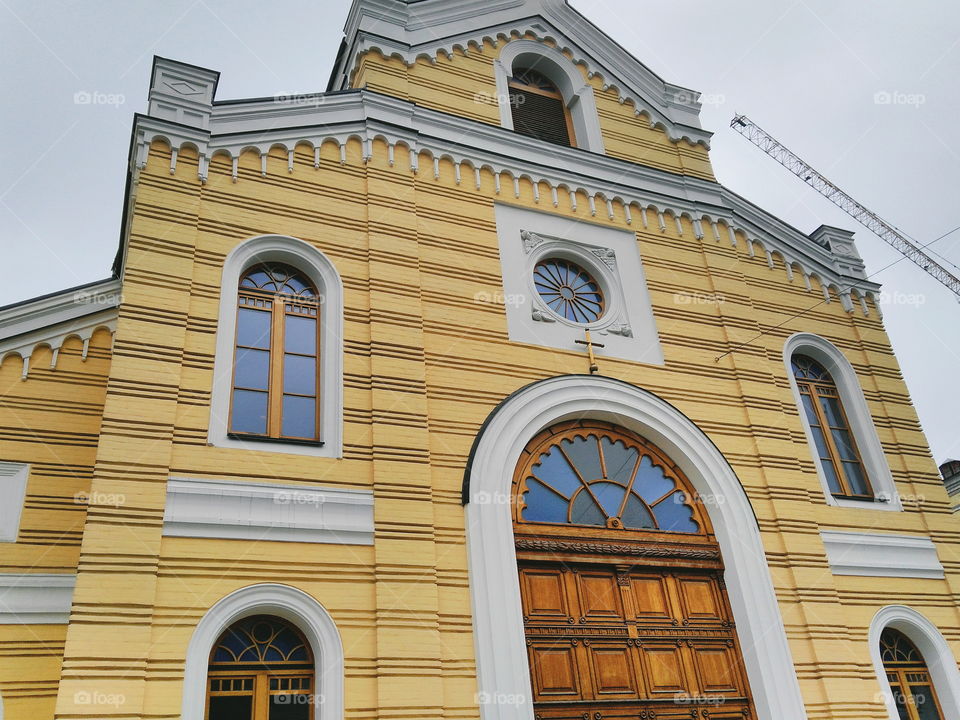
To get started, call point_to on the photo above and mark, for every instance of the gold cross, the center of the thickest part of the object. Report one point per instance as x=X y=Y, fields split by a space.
x=594 y=368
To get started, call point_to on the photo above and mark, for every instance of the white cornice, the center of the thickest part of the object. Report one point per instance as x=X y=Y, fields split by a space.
x=647 y=195
x=433 y=27
x=51 y=319
x=240 y=510
x=35 y=598
x=881 y=555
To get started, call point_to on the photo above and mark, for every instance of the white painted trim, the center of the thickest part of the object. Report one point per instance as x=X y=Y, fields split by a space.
x=936 y=654
x=881 y=555
x=286 y=602
x=502 y=669
x=577 y=94
x=35 y=598
x=13 y=492
x=858 y=414
x=316 y=265
x=234 y=509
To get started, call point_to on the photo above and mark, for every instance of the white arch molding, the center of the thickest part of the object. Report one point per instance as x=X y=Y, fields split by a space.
x=936 y=654
x=315 y=265
x=283 y=601
x=577 y=94
x=858 y=414
x=502 y=670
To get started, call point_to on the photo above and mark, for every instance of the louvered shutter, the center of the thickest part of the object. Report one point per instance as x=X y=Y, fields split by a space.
x=539 y=116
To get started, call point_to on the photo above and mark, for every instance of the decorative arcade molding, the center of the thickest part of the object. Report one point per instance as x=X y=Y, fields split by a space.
x=618 y=188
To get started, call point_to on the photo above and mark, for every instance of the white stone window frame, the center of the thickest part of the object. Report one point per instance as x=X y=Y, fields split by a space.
x=502 y=664
x=937 y=656
x=627 y=330
x=577 y=94
x=283 y=601
x=321 y=271
x=858 y=416
x=599 y=262
x=13 y=493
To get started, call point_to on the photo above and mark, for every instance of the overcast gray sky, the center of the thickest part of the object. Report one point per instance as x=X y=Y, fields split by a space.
x=808 y=71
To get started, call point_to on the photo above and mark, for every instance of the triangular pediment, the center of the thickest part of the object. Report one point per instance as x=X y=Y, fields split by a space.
x=427 y=29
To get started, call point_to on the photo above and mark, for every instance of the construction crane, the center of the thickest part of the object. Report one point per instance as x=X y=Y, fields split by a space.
x=870 y=220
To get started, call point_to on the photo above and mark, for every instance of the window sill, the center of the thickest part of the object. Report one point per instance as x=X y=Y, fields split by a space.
x=281 y=441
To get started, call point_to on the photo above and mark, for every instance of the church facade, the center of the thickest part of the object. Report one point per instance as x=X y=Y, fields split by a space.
x=463 y=390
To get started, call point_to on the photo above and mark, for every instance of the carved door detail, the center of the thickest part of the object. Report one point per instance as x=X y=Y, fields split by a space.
x=624 y=618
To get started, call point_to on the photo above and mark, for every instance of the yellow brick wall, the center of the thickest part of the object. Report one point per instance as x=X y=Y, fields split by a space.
x=49 y=421
x=425 y=363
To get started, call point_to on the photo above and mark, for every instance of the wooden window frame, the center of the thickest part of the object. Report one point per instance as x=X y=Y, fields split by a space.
x=260 y=677
x=556 y=95
x=897 y=675
x=279 y=308
x=815 y=389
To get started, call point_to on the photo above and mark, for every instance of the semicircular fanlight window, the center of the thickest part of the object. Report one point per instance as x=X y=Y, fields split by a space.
x=604 y=479
x=278 y=278
x=261 y=640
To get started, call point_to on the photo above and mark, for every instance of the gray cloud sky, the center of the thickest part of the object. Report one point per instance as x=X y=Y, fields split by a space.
x=808 y=72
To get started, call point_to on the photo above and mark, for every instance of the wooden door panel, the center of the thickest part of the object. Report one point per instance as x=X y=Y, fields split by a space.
x=650 y=595
x=664 y=670
x=717 y=669
x=553 y=669
x=599 y=596
x=544 y=595
x=699 y=600
x=614 y=670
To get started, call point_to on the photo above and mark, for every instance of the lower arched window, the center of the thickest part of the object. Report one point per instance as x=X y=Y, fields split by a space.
x=261 y=668
x=909 y=678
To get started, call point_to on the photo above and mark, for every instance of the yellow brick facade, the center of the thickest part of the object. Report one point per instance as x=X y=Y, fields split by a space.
x=426 y=359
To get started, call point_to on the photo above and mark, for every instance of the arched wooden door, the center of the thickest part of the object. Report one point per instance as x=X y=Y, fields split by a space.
x=624 y=607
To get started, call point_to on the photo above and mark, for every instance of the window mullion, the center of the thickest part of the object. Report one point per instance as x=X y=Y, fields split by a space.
x=261 y=700
x=276 y=367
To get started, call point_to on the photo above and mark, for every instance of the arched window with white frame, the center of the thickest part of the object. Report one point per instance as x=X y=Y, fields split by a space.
x=843 y=440
x=544 y=95
x=278 y=367
x=915 y=666
x=264 y=652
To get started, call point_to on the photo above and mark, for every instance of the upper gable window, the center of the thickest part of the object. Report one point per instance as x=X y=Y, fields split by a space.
x=542 y=94
x=276 y=369
x=538 y=108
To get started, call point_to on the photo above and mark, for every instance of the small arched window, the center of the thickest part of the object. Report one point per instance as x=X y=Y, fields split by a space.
x=909 y=678
x=538 y=108
x=261 y=668
x=837 y=449
x=276 y=368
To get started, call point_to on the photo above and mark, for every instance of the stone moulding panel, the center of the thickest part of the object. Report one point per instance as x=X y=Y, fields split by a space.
x=238 y=510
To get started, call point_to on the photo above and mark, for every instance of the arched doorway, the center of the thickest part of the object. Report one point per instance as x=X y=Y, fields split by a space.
x=624 y=607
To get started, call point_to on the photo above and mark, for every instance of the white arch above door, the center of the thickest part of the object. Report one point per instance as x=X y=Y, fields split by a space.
x=503 y=675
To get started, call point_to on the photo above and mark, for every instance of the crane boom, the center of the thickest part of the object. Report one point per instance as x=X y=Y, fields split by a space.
x=873 y=222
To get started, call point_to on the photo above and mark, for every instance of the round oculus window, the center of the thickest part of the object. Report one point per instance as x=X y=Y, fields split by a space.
x=568 y=290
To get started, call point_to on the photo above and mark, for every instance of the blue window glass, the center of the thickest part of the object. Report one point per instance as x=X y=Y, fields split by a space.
x=604 y=479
